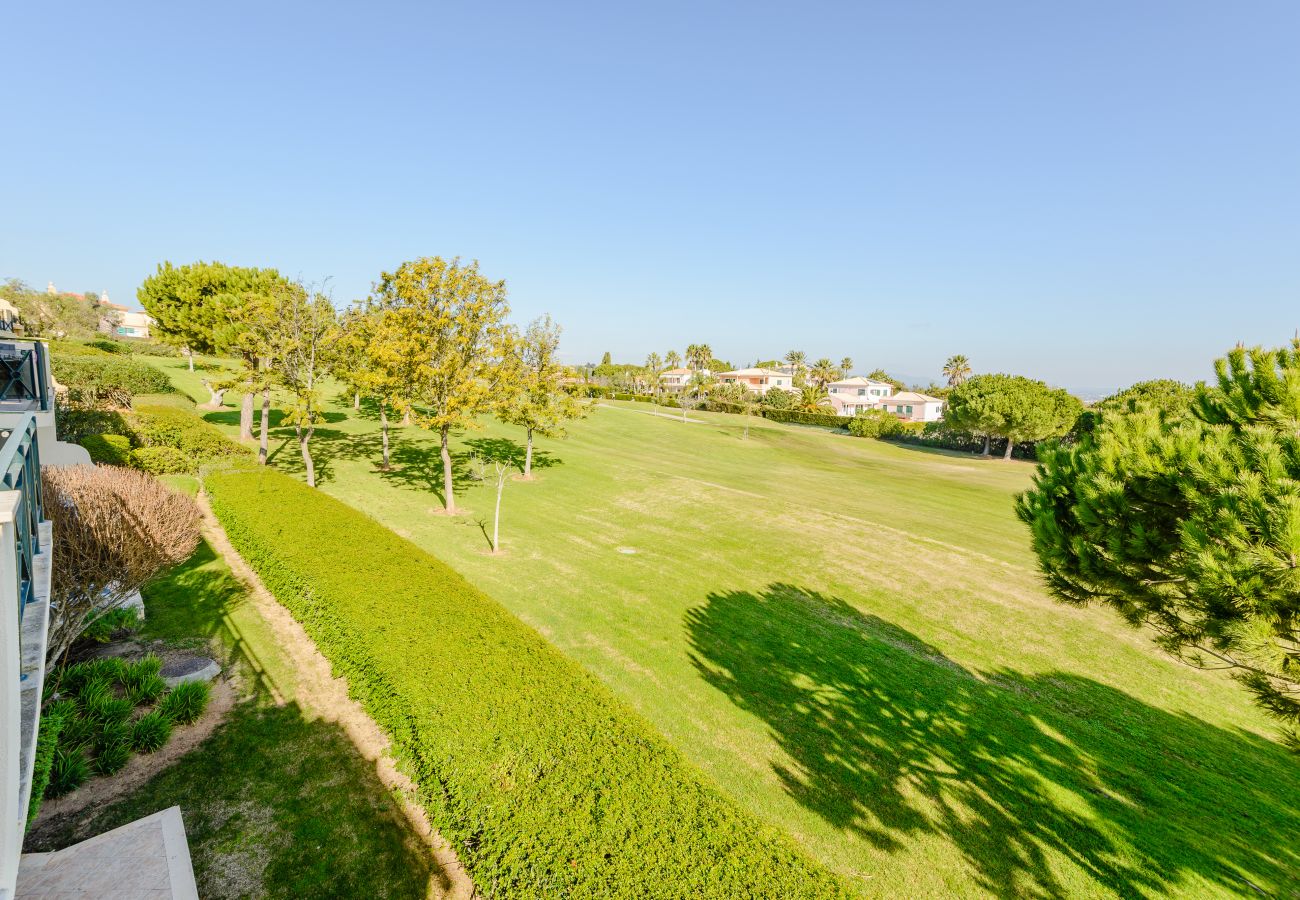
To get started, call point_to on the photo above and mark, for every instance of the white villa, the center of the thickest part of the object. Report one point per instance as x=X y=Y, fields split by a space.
x=913 y=407
x=850 y=396
x=760 y=381
x=677 y=379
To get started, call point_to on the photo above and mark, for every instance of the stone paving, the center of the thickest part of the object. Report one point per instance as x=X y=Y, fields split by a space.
x=148 y=859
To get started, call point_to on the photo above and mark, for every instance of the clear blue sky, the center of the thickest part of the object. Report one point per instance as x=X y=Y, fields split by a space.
x=1090 y=193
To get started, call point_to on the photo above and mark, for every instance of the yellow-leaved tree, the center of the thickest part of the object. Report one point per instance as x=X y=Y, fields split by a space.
x=535 y=397
x=451 y=321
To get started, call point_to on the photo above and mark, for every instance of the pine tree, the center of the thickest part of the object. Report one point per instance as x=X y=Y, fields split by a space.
x=1187 y=520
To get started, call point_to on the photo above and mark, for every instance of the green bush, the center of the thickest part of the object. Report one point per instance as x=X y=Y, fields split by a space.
x=108 y=346
x=111 y=624
x=827 y=419
x=47 y=740
x=185 y=702
x=108 y=449
x=544 y=781
x=875 y=423
x=75 y=421
x=150 y=732
x=99 y=378
x=172 y=428
x=162 y=461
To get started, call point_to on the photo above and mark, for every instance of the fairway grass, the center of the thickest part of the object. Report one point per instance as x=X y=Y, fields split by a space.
x=850 y=638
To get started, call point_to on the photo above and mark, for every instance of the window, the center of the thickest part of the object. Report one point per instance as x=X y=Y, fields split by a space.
x=833 y=390
x=862 y=392
x=909 y=410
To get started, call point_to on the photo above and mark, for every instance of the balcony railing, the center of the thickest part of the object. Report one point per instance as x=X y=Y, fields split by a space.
x=20 y=471
x=23 y=384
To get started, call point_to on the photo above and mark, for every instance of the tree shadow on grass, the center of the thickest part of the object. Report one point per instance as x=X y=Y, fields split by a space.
x=891 y=740
x=508 y=452
x=230 y=416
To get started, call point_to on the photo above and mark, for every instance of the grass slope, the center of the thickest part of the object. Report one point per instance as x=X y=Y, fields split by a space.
x=850 y=637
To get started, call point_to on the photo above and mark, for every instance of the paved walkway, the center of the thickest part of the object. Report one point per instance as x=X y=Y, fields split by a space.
x=149 y=859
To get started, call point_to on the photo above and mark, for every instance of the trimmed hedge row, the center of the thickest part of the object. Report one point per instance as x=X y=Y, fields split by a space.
x=546 y=784
x=938 y=434
x=95 y=377
x=828 y=420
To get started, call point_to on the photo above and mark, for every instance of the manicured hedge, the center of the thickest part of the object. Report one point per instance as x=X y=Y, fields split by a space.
x=192 y=441
x=546 y=784
x=109 y=449
x=94 y=376
x=829 y=420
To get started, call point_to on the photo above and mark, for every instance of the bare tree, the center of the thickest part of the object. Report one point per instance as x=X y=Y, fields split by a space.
x=501 y=469
x=115 y=531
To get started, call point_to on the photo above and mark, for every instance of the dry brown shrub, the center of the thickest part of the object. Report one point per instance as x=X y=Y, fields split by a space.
x=114 y=531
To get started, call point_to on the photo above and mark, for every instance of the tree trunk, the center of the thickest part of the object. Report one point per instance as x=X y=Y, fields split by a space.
x=304 y=439
x=1011 y=445
x=496 y=515
x=264 y=439
x=383 y=428
x=406 y=419
x=356 y=399
x=218 y=396
x=189 y=355
x=448 y=487
x=528 y=456
x=246 y=414
x=986 y=445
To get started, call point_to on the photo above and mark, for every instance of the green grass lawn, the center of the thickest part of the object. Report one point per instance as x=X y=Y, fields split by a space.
x=850 y=638
x=276 y=802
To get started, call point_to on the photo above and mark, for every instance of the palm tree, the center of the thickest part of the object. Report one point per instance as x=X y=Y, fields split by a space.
x=812 y=398
x=698 y=356
x=796 y=359
x=823 y=372
x=654 y=369
x=846 y=366
x=956 y=369
x=672 y=359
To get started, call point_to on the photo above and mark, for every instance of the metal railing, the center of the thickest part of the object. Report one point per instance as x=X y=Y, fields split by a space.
x=23 y=380
x=20 y=470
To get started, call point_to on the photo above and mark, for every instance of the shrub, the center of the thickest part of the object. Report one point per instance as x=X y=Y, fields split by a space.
x=185 y=702
x=827 y=420
x=108 y=449
x=113 y=623
x=547 y=784
x=68 y=771
x=117 y=529
x=93 y=692
x=108 y=346
x=169 y=427
x=143 y=681
x=47 y=740
x=106 y=378
x=75 y=421
x=875 y=423
x=150 y=732
x=163 y=461
x=778 y=399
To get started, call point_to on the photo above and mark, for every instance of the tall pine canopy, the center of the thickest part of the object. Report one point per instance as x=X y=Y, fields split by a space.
x=1186 y=518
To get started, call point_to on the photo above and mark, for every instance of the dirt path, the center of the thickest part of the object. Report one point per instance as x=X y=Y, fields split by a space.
x=321 y=694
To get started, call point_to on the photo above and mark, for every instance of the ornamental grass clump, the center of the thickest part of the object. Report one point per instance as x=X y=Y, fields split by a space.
x=150 y=732
x=185 y=702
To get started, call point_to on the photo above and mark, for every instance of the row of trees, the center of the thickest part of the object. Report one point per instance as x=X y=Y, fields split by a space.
x=431 y=345
x=57 y=315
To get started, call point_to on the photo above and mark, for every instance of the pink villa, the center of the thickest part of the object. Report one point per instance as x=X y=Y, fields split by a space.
x=911 y=406
x=759 y=381
x=850 y=396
